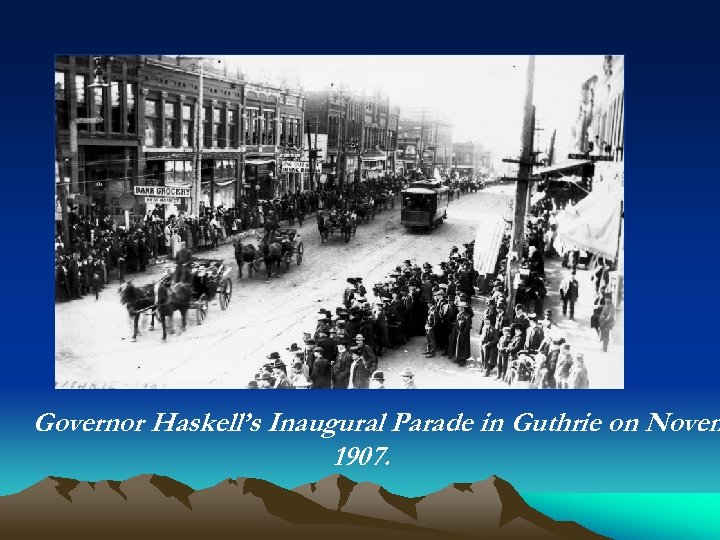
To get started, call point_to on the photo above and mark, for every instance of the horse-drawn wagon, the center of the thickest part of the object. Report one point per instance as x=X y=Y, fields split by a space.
x=292 y=246
x=336 y=221
x=210 y=279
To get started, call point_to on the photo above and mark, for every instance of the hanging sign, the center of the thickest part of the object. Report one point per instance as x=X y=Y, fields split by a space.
x=162 y=191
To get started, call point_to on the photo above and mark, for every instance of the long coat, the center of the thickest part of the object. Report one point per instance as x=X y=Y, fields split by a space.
x=320 y=374
x=462 y=349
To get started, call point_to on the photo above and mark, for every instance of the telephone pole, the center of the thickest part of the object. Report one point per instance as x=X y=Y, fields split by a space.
x=198 y=140
x=522 y=186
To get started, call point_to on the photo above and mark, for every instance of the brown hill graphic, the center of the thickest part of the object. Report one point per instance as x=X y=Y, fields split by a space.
x=335 y=507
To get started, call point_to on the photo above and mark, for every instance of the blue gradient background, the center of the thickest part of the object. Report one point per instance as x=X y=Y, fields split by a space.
x=671 y=204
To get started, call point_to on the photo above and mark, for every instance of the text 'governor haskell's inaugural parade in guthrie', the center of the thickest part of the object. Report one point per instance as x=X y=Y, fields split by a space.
x=285 y=223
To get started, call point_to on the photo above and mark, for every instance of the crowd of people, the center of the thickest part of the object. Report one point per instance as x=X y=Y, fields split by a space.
x=412 y=301
x=100 y=250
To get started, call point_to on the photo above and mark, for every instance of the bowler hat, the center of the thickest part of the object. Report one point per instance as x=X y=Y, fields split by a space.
x=292 y=348
x=273 y=356
x=377 y=376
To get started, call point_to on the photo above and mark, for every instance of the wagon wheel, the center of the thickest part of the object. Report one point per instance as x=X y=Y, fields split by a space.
x=300 y=251
x=225 y=293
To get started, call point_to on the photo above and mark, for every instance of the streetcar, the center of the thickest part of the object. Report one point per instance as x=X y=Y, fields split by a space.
x=424 y=204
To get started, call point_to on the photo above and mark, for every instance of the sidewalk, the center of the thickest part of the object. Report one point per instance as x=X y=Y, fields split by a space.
x=605 y=369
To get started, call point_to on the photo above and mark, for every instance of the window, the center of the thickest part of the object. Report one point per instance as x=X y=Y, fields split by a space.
x=170 y=125
x=81 y=101
x=99 y=107
x=178 y=172
x=291 y=133
x=61 y=102
x=130 y=113
x=232 y=127
x=116 y=113
x=217 y=131
x=268 y=127
x=252 y=137
x=283 y=130
x=225 y=170
x=207 y=134
x=151 y=122
x=187 y=125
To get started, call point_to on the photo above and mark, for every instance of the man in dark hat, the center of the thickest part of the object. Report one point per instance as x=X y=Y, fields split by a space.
x=367 y=351
x=377 y=380
x=359 y=370
x=320 y=374
x=341 y=367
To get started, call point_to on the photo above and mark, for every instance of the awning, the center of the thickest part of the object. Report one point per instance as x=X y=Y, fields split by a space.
x=374 y=158
x=259 y=161
x=488 y=239
x=463 y=166
x=563 y=166
x=594 y=223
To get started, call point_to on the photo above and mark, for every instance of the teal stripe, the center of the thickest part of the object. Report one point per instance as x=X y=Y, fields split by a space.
x=631 y=516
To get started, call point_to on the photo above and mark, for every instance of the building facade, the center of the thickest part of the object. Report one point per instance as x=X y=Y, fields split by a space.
x=361 y=132
x=98 y=132
x=599 y=129
x=123 y=122
x=424 y=142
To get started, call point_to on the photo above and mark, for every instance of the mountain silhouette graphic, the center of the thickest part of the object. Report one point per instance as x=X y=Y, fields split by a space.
x=333 y=508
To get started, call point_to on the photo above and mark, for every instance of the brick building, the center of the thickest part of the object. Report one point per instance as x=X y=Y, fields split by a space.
x=98 y=161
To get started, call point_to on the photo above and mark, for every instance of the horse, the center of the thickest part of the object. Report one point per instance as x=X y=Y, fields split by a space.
x=137 y=300
x=170 y=298
x=345 y=227
x=245 y=254
x=272 y=254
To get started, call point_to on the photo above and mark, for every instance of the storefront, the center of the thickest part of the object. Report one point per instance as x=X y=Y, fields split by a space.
x=260 y=179
x=373 y=164
x=106 y=172
x=175 y=171
x=219 y=181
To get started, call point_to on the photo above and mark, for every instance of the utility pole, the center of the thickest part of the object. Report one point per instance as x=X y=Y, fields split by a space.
x=198 y=139
x=62 y=188
x=522 y=186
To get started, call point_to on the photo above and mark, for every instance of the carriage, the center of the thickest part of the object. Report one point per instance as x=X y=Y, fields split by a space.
x=365 y=210
x=292 y=246
x=210 y=279
x=335 y=222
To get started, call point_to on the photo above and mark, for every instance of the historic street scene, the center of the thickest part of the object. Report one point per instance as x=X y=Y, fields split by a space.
x=328 y=222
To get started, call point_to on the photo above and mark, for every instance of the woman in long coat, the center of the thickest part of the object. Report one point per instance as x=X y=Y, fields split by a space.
x=462 y=349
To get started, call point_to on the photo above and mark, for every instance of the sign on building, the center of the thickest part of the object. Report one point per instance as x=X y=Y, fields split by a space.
x=162 y=191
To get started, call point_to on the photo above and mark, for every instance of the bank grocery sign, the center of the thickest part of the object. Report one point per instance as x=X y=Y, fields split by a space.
x=163 y=191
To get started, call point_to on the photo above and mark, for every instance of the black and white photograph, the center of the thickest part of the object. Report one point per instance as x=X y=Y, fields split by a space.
x=339 y=222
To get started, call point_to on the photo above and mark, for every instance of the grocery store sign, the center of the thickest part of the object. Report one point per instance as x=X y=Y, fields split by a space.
x=162 y=191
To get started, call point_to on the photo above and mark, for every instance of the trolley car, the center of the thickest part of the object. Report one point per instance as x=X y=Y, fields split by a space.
x=424 y=204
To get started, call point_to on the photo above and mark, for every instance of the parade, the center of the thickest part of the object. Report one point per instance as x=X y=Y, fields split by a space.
x=362 y=268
